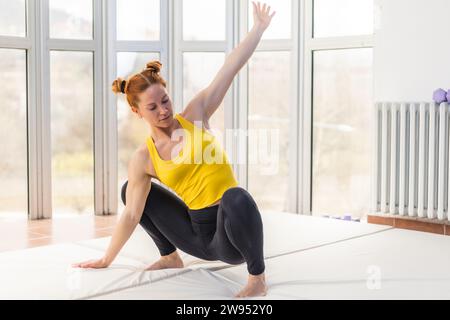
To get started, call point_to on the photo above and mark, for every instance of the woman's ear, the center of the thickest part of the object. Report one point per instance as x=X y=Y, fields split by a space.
x=135 y=110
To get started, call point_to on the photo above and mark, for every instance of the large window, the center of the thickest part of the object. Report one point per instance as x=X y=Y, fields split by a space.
x=271 y=113
x=341 y=145
x=72 y=131
x=13 y=132
x=269 y=124
x=306 y=147
x=341 y=107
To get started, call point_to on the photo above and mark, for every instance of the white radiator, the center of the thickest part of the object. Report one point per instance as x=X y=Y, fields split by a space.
x=411 y=162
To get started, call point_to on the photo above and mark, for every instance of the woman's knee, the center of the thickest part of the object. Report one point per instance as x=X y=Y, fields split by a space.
x=237 y=197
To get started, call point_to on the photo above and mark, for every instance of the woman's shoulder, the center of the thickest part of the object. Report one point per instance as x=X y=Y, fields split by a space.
x=142 y=158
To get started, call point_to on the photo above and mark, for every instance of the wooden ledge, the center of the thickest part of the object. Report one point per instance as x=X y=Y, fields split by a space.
x=411 y=223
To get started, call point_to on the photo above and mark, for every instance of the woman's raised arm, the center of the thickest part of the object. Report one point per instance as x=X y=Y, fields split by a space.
x=210 y=98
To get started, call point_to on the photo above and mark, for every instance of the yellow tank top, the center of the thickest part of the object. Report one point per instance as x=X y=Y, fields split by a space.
x=201 y=172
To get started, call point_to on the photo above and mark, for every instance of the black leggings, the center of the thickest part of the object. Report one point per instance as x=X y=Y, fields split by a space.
x=231 y=231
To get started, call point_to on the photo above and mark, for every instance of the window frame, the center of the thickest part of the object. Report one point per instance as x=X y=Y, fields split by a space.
x=26 y=43
x=310 y=46
x=171 y=48
x=292 y=45
x=48 y=44
x=112 y=48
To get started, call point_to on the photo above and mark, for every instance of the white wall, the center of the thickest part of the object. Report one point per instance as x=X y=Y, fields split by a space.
x=412 y=49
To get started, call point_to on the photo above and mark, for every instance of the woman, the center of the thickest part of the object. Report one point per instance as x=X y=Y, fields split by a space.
x=213 y=218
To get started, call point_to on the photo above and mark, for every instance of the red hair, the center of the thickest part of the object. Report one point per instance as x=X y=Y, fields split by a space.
x=139 y=82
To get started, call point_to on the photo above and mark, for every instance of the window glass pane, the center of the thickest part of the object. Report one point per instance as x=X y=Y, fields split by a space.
x=342 y=114
x=12 y=18
x=213 y=17
x=199 y=69
x=280 y=27
x=132 y=131
x=71 y=19
x=13 y=132
x=138 y=19
x=269 y=125
x=72 y=132
x=342 y=18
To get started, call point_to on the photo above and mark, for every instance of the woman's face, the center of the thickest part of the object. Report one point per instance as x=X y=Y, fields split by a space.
x=155 y=106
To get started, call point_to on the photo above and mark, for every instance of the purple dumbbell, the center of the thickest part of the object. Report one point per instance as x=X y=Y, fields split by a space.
x=347 y=217
x=440 y=95
x=448 y=95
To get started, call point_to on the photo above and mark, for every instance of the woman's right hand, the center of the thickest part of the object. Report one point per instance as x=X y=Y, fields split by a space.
x=94 y=263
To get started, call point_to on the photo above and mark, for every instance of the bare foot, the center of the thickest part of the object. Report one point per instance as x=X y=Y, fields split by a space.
x=172 y=260
x=256 y=286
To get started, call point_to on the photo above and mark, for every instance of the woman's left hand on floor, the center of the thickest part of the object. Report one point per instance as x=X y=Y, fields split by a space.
x=95 y=263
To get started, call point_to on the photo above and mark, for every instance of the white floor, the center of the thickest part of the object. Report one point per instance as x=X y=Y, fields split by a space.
x=306 y=258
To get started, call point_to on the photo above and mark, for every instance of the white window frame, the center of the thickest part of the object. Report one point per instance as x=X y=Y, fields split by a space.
x=170 y=47
x=38 y=46
x=95 y=46
x=28 y=43
x=310 y=46
x=292 y=45
x=113 y=47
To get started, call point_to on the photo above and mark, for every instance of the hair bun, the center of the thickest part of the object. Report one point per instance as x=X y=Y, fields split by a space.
x=116 y=85
x=123 y=85
x=119 y=85
x=154 y=66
